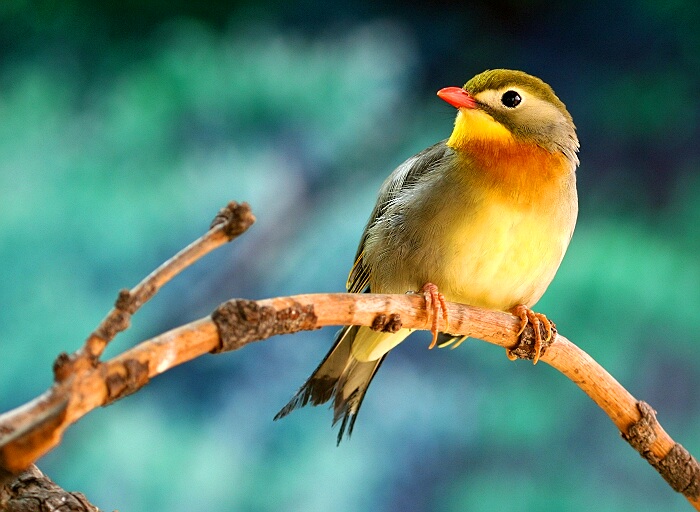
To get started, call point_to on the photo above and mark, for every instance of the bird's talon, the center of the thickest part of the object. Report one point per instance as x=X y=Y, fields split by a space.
x=434 y=304
x=550 y=328
x=433 y=342
x=522 y=311
x=527 y=316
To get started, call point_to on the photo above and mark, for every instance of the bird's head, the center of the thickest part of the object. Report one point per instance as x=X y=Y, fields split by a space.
x=506 y=106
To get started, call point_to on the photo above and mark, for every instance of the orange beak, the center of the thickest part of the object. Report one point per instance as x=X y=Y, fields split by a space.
x=457 y=97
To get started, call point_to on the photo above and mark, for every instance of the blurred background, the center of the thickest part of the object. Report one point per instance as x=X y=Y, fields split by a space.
x=125 y=126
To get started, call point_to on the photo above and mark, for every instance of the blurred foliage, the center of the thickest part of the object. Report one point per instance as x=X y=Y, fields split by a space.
x=125 y=126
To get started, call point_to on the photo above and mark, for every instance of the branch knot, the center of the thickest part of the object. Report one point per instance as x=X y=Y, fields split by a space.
x=130 y=377
x=242 y=321
x=525 y=348
x=678 y=467
x=235 y=218
x=384 y=323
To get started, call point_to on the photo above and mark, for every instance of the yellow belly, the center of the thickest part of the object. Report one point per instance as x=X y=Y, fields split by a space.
x=499 y=259
x=479 y=246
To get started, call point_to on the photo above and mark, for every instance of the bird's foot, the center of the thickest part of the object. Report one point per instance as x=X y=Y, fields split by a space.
x=528 y=316
x=435 y=304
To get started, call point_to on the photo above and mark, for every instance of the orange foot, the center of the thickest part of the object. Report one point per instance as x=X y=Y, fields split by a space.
x=434 y=303
x=528 y=316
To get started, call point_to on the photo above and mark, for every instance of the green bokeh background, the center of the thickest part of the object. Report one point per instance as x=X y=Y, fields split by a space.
x=125 y=126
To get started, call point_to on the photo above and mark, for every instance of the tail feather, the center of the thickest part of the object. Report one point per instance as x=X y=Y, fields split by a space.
x=339 y=376
x=350 y=391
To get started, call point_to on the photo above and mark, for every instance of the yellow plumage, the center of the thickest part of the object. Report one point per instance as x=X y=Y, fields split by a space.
x=475 y=125
x=486 y=216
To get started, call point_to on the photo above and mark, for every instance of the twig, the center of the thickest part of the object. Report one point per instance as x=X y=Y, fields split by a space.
x=239 y=322
x=231 y=221
x=34 y=428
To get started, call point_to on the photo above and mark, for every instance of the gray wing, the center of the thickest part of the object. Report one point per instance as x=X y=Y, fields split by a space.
x=404 y=176
x=340 y=376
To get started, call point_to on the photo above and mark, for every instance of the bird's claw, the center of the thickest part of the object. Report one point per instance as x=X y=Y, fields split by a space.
x=434 y=304
x=528 y=316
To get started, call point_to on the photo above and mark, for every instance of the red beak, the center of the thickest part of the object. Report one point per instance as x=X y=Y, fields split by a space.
x=457 y=97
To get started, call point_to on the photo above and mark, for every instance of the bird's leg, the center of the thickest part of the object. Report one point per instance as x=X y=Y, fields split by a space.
x=528 y=316
x=434 y=303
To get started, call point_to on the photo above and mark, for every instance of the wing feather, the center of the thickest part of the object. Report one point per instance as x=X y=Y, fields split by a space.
x=404 y=177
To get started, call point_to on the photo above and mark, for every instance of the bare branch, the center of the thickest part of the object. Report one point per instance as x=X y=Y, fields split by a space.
x=84 y=383
x=231 y=221
x=38 y=426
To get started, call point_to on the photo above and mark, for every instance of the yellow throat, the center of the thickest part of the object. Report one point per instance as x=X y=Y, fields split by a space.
x=474 y=126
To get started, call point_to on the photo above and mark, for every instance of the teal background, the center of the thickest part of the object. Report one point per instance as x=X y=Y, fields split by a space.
x=125 y=126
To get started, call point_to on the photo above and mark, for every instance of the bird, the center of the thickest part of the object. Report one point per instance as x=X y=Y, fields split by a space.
x=483 y=218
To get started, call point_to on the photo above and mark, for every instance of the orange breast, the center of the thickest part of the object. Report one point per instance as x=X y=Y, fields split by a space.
x=521 y=173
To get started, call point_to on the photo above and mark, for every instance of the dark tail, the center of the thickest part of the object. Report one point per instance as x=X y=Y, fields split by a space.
x=339 y=376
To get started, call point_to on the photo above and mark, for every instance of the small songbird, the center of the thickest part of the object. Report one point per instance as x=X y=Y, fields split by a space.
x=485 y=217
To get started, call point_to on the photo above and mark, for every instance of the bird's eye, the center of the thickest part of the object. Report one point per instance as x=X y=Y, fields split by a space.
x=511 y=99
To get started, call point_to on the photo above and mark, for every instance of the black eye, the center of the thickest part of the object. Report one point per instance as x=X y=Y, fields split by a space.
x=511 y=99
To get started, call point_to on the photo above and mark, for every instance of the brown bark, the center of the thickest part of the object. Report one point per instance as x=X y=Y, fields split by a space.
x=32 y=491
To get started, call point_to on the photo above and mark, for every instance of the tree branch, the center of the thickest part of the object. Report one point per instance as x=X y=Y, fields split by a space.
x=84 y=383
x=230 y=222
x=33 y=491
